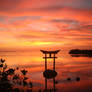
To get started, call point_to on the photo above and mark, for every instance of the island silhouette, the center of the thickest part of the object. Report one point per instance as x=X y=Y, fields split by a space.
x=80 y=53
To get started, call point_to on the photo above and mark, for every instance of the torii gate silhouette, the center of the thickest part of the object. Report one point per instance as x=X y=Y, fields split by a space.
x=49 y=74
x=50 y=56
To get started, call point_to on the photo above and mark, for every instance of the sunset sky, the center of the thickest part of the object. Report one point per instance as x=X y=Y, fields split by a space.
x=42 y=24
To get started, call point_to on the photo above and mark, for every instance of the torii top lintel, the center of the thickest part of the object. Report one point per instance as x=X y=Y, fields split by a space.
x=49 y=52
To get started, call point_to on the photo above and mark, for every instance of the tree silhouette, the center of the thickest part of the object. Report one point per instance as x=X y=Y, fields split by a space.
x=5 y=83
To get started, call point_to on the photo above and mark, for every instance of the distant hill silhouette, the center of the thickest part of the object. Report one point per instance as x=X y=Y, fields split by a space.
x=78 y=53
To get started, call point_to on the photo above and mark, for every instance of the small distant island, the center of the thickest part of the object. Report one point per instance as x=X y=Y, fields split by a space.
x=78 y=52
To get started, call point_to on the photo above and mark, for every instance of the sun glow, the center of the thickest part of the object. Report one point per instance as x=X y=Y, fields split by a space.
x=38 y=43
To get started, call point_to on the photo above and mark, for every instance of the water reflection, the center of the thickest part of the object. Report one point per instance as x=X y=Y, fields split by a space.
x=66 y=66
x=46 y=86
x=81 y=55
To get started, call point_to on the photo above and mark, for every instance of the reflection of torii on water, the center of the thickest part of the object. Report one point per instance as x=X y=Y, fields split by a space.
x=50 y=90
x=50 y=74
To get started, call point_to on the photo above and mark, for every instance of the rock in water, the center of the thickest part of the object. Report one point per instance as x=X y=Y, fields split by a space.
x=49 y=74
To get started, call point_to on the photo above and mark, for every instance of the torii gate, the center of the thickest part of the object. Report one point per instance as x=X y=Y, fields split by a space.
x=49 y=74
x=50 y=56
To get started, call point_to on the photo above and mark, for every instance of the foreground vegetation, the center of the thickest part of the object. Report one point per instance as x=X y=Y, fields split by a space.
x=10 y=81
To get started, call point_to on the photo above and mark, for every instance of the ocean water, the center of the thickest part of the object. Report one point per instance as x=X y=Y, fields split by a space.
x=66 y=67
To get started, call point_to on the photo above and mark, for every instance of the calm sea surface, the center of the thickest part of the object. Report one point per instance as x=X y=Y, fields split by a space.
x=66 y=67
